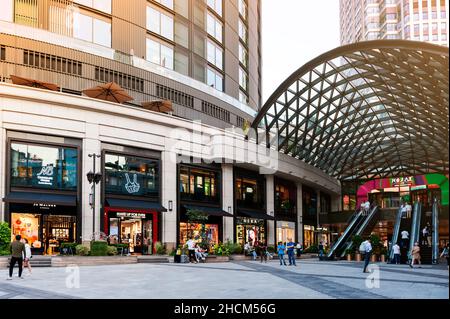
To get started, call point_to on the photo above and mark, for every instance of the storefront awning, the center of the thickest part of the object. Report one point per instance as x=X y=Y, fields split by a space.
x=41 y=198
x=128 y=204
x=212 y=211
x=254 y=214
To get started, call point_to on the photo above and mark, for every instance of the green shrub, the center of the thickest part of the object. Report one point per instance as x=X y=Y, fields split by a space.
x=99 y=248
x=356 y=241
x=221 y=250
x=111 y=251
x=5 y=236
x=271 y=249
x=160 y=248
x=82 y=250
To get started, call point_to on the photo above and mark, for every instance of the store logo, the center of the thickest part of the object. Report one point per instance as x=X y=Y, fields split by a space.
x=45 y=176
x=46 y=171
x=132 y=187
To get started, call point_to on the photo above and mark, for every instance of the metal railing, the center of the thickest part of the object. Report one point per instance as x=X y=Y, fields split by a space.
x=415 y=227
x=352 y=221
x=396 y=233
x=435 y=232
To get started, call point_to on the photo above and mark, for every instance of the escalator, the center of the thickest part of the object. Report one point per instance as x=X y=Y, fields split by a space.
x=395 y=235
x=364 y=228
x=415 y=227
x=353 y=222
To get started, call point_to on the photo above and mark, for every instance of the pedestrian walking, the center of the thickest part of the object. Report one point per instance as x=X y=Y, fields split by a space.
x=280 y=249
x=367 y=253
x=290 y=250
x=425 y=232
x=397 y=254
x=415 y=255
x=299 y=250
x=321 y=250
x=27 y=257
x=445 y=254
x=17 y=250
x=263 y=251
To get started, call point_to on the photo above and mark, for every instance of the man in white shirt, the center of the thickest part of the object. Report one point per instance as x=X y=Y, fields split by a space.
x=397 y=254
x=191 y=247
x=405 y=238
x=368 y=254
x=367 y=208
x=408 y=210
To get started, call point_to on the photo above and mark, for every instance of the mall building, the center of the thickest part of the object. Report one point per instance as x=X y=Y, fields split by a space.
x=72 y=166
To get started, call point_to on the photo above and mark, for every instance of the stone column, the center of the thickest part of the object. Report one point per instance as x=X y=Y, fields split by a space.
x=300 y=213
x=319 y=235
x=270 y=205
x=228 y=201
x=3 y=160
x=91 y=145
x=169 y=193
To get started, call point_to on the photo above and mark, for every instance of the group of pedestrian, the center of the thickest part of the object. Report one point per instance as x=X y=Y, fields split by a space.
x=365 y=208
x=20 y=251
x=196 y=252
x=406 y=209
x=288 y=248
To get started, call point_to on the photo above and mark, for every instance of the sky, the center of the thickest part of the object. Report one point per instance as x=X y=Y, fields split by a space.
x=293 y=33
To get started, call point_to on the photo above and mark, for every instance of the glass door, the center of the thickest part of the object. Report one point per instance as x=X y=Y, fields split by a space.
x=147 y=248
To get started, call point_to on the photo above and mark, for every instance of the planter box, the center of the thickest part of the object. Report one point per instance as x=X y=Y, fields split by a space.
x=374 y=258
x=358 y=257
x=240 y=257
x=349 y=257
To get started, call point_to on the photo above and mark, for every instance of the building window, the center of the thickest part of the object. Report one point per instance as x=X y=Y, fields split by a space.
x=214 y=54
x=159 y=53
x=243 y=55
x=199 y=184
x=242 y=31
x=243 y=79
x=2 y=52
x=88 y=28
x=249 y=192
x=101 y=5
x=166 y=3
x=214 y=27
x=181 y=34
x=243 y=97
x=285 y=199
x=182 y=7
x=181 y=63
x=216 y=5
x=26 y=12
x=160 y=23
x=130 y=175
x=243 y=8
x=46 y=167
x=214 y=79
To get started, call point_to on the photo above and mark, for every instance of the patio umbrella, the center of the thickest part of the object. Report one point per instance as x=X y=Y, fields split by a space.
x=158 y=106
x=109 y=92
x=34 y=83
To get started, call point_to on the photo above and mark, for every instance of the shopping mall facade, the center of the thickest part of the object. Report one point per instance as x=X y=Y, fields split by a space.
x=265 y=183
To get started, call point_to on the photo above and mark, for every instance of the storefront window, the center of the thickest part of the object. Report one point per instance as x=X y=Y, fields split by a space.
x=285 y=199
x=193 y=230
x=325 y=203
x=249 y=192
x=27 y=226
x=285 y=231
x=198 y=184
x=43 y=167
x=309 y=202
x=308 y=236
x=249 y=230
x=130 y=175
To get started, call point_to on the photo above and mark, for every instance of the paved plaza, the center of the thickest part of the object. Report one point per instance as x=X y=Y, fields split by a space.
x=311 y=279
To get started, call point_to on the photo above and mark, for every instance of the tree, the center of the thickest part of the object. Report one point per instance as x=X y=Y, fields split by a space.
x=5 y=236
x=198 y=217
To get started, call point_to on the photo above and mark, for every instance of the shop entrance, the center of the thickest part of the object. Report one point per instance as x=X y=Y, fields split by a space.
x=249 y=230
x=135 y=229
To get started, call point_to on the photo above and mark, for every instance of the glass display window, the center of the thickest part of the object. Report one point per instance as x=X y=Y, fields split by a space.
x=27 y=226
x=47 y=167
x=285 y=231
x=194 y=231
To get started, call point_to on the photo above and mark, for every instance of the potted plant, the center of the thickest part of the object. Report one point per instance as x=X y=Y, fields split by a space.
x=376 y=244
x=349 y=254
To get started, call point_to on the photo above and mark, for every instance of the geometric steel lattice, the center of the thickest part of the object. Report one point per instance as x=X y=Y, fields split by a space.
x=366 y=110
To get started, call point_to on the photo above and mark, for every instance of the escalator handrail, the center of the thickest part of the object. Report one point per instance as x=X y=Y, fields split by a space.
x=396 y=233
x=353 y=220
x=361 y=227
x=415 y=227
x=435 y=232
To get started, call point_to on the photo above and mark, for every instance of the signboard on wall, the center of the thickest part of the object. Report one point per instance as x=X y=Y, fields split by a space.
x=402 y=181
x=132 y=215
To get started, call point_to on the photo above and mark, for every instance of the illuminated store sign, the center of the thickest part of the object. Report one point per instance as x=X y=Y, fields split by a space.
x=131 y=215
x=402 y=181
